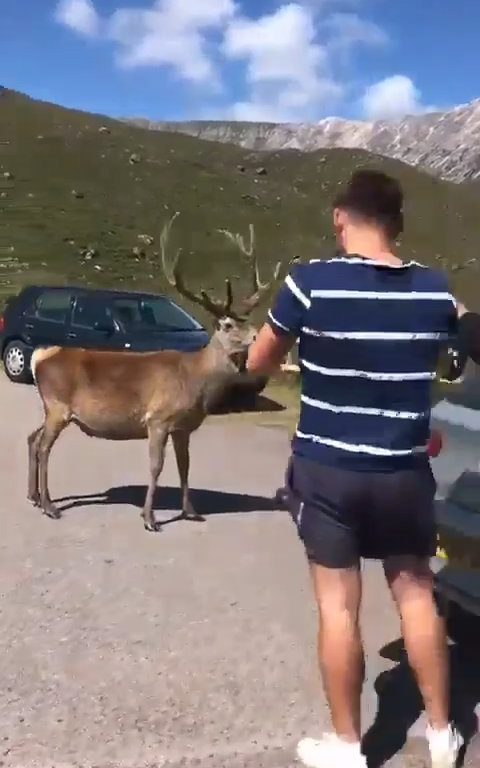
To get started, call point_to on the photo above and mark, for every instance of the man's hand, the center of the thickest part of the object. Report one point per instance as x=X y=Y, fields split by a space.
x=461 y=309
x=468 y=330
x=268 y=351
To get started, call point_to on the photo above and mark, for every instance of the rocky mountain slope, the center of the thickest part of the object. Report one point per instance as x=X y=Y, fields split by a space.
x=83 y=199
x=445 y=143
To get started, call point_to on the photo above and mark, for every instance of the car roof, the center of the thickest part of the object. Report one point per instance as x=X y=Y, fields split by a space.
x=107 y=292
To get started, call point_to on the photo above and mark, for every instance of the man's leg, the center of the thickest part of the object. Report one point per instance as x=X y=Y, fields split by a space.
x=404 y=532
x=338 y=595
x=320 y=501
x=411 y=582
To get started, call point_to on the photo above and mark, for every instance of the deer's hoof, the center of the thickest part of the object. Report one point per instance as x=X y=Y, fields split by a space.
x=152 y=526
x=53 y=513
x=34 y=500
x=193 y=517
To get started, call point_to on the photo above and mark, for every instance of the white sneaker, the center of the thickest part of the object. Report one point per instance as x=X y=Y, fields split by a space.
x=330 y=752
x=444 y=746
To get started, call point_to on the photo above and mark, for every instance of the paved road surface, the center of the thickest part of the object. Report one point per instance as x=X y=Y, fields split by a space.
x=193 y=647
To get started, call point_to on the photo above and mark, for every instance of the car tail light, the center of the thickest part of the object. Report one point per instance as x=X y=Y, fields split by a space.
x=2 y=323
x=435 y=444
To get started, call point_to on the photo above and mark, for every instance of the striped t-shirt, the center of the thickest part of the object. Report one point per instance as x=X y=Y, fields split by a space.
x=370 y=336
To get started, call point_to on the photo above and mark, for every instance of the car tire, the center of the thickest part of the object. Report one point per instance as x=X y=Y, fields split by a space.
x=16 y=361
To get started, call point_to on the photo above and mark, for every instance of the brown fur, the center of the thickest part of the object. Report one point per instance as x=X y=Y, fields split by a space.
x=42 y=353
x=130 y=396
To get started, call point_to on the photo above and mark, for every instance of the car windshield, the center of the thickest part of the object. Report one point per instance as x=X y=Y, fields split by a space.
x=152 y=313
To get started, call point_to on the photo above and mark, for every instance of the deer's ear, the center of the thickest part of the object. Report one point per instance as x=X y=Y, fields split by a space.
x=216 y=324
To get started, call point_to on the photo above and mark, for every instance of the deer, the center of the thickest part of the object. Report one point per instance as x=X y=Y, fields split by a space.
x=125 y=395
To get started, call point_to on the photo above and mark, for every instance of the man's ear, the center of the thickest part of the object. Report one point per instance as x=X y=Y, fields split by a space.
x=338 y=222
x=340 y=218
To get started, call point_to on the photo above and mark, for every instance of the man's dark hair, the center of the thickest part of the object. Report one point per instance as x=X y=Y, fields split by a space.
x=375 y=197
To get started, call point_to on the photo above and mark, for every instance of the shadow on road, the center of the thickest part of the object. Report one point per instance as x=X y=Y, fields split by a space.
x=206 y=502
x=399 y=702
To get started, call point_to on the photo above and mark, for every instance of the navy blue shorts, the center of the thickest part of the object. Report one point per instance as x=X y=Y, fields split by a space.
x=342 y=515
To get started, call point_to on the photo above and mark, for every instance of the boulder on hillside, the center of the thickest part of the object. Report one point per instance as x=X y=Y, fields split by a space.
x=146 y=239
x=138 y=253
x=88 y=253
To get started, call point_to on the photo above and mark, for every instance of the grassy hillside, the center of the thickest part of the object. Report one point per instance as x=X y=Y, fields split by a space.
x=71 y=181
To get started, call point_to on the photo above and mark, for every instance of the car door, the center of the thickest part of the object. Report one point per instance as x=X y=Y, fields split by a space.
x=47 y=319
x=92 y=324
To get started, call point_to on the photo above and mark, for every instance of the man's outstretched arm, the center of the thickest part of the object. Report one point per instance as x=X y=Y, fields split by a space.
x=268 y=351
x=283 y=326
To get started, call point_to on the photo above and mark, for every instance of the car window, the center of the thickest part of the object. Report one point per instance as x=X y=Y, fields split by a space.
x=53 y=305
x=154 y=313
x=164 y=313
x=127 y=311
x=88 y=311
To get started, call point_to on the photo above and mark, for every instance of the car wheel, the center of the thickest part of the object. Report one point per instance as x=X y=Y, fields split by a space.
x=16 y=359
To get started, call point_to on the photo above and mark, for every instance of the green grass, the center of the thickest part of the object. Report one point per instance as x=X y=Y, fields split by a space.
x=52 y=151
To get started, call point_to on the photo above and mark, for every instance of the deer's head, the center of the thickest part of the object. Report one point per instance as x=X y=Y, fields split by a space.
x=233 y=330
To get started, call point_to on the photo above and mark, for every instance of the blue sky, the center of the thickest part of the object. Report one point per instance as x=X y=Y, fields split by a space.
x=243 y=59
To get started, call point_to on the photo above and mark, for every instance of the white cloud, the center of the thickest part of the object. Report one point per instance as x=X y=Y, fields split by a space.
x=349 y=29
x=287 y=69
x=172 y=33
x=268 y=43
x=392 y=98
x=292 y=64
x=79 y=16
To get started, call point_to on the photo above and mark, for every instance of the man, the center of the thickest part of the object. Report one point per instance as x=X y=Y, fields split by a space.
x=370 y=330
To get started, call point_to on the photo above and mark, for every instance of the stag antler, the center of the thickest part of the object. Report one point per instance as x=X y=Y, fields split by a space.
x=249 y=303
x=216 y=307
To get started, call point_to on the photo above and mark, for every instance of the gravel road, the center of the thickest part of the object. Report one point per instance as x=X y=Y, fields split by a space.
x=191 y=647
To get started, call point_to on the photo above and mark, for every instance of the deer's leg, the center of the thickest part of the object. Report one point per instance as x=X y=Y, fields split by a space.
x=181 y=444
x=33 y=446
x=157 y=440
x=55 y=422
